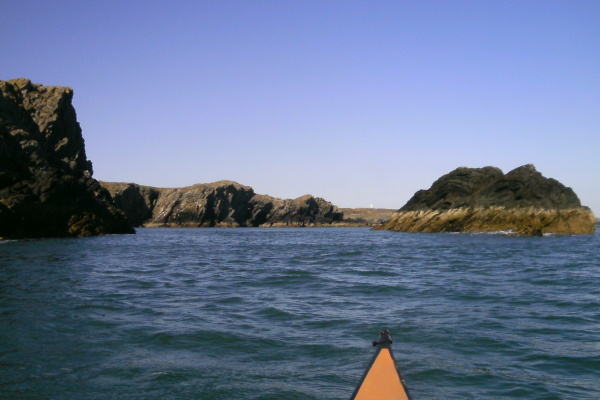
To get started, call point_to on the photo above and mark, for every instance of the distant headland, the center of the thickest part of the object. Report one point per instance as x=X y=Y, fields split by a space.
x=47 y=190
x=230 y=204
x=218 y=204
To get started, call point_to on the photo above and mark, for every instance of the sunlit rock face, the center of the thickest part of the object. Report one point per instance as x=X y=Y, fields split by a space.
x=218 y=204
x=486 y=200
x=46 y=184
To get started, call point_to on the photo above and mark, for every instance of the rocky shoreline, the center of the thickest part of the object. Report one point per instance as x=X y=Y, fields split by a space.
x=522 y=202
x=239 y=206
x=47 y=190
x=218 y=204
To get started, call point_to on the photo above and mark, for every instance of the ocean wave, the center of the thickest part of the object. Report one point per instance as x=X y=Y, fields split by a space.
x=291 y=313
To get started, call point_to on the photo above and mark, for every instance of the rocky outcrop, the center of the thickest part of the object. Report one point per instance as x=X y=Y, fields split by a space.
x=485 y=199
x=223 y=204
x=135 y=201
x=303 y=211
x=217 y=204
x=46 y=188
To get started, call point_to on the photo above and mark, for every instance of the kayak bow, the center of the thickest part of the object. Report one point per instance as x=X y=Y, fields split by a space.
x=382 y=380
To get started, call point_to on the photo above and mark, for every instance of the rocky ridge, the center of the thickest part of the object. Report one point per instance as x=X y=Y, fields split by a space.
x=218 y=204
x=46 y=184
x=485 y=200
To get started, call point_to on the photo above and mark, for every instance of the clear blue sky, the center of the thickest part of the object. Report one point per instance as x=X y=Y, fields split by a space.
x=358 y=102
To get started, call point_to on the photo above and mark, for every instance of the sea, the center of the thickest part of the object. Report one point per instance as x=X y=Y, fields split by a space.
x=265 y=313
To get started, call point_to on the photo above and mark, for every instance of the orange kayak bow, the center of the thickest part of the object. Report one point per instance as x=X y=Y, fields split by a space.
x=382 y=380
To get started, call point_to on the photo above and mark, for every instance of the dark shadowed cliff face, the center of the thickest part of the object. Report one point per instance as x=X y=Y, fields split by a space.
x=485 y=199
x=46 y=187
x=222 y=203
x=303 y=211
x=522 y=187
x=137 y=202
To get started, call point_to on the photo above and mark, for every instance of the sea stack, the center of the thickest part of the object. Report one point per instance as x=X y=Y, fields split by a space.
x=46 y=184
x=522 y=202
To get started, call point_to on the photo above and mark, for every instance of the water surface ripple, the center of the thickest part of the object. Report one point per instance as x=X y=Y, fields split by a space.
x=290 y=313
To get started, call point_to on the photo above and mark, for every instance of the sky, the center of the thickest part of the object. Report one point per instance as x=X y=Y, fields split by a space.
x=359 y=102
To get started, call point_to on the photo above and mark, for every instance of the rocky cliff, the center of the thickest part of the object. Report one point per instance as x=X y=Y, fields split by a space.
x=485 y=199
x=222 y=203
x=46 y=188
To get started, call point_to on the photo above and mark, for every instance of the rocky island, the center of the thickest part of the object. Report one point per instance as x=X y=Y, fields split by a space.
x=46 y=184
x=521 y=201
x=219 y=204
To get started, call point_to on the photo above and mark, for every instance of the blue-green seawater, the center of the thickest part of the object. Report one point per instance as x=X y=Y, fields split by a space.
x=291 y=313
